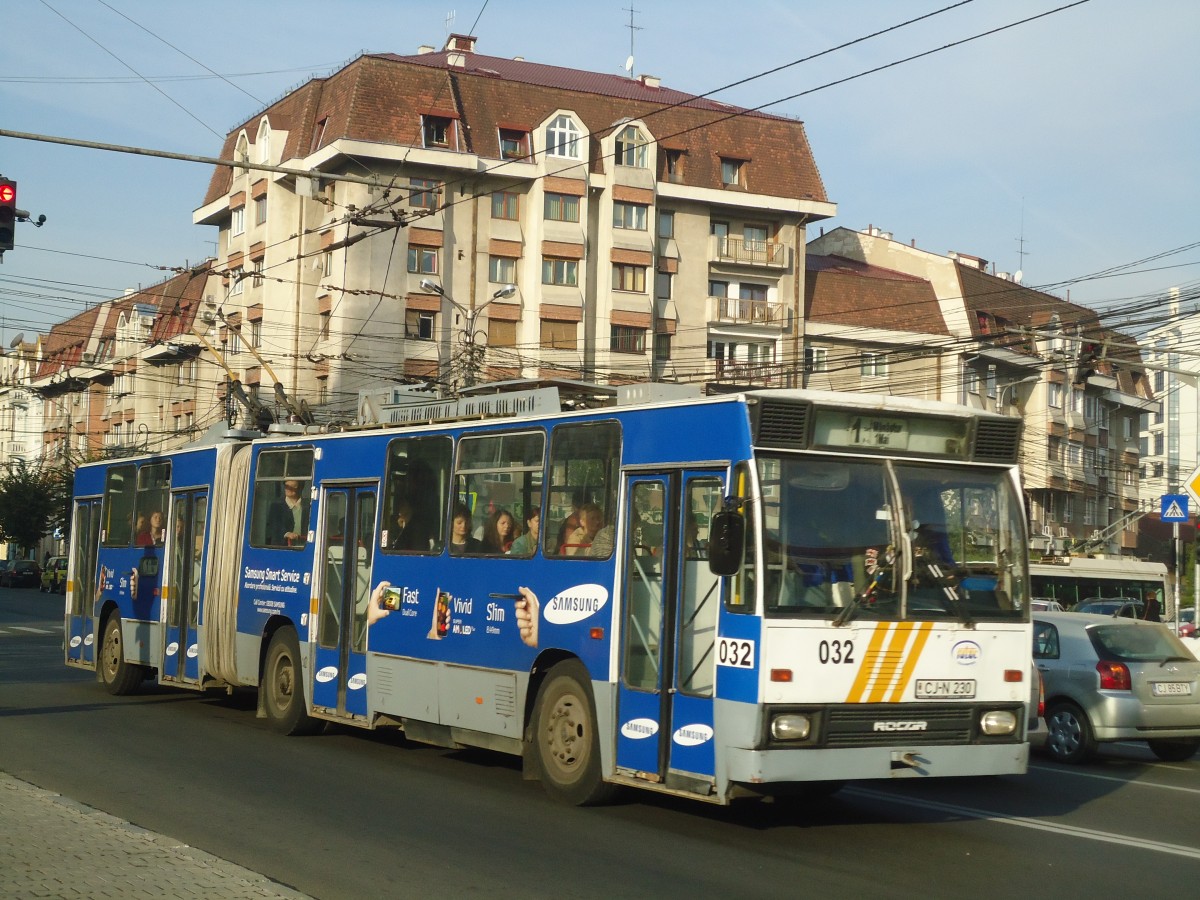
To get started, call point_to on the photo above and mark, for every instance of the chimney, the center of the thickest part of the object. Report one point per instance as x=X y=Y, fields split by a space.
x=650 y=81
x=462 y=42
x=423 y=49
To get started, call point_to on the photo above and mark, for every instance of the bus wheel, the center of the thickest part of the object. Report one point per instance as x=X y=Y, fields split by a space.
x=565 y=739
x=119 y=677
x=282 y=686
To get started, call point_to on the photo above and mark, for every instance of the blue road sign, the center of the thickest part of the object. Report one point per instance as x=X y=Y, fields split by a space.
x=1174 y=507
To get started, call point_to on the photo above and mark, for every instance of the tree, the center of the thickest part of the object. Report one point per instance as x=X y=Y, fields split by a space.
x=34 y=500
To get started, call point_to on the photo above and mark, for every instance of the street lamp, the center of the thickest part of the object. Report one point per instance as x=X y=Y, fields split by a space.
x=1028 y=379
x=472 y=352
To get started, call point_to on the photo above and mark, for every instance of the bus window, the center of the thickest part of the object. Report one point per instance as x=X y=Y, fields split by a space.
x=498 y=478
x=740 y=598
x=150 y=521
x=418 y=484
x=581 y=507
x=700 y=590
x=119 y=493
x=282 y=484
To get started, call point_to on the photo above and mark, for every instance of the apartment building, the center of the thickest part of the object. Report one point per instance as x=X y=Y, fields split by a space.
x=1080 y=387
x=649 y=234
x=1170 y=433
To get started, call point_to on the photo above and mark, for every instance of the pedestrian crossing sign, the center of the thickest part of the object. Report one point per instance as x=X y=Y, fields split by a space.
x=1174 y=507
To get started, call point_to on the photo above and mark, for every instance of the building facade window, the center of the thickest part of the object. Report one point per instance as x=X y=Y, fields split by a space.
x=256 y=333
x=560 y=271
x=437 y=131
x=562 y=138
x=731 y=171
x=625 y=339
x=663 y=285
x=674 y=165
x=562 y=207
x=501 y=333
x=506 y=205
x=502 y=270
x=873 y=365
x=236 y=280
x=237 y=220
x=629 y=215
x=662 y=346
x=816 y=359
x=1054 y=395
x=991 y=382
x=323 y=327
x=970 y=380
x=418 y=325
x=629 y=278
x=558 y=335
x=514 y=144
x=631 y=148
x=423 y=260
x=423 y=193
x=260 y=211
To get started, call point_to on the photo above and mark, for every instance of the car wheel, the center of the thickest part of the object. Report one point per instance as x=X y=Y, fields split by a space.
x=1174 y=749
x=1069 y=736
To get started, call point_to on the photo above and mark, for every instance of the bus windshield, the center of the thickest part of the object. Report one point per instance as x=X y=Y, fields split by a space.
x=890 y=540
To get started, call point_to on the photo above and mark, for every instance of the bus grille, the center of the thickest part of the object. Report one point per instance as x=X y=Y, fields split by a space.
x=783 y=425
x=871 y=725
x=998 y=441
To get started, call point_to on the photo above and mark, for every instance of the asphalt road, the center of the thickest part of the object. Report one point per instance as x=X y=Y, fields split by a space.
x=350 y=814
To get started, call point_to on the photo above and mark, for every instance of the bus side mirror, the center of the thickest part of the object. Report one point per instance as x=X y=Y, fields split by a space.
x=726 y=542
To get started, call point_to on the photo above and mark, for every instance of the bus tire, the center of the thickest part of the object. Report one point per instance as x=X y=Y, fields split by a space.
x=119 y=677
x=282 y=686
x=1069 y=738
x=566 y=744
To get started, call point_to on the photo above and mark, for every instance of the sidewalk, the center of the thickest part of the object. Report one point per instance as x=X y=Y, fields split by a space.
x=54 y=847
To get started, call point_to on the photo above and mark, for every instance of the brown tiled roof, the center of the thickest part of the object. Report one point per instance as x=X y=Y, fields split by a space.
x=65 y=342
x=841 y=291
x=380 y=98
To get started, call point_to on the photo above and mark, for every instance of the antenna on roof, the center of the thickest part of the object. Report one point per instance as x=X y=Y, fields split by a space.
x=450 y=16
x=632 y=28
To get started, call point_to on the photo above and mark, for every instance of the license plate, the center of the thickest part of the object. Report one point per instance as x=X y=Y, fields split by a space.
x=939 y=688
x=1165 y=688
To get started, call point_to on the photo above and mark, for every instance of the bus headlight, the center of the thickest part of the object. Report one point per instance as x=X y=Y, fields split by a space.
x=998 y=722
x=791 y=727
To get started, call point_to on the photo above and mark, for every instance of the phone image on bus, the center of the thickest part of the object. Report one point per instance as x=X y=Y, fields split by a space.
x=390 y=599
x=441 y=616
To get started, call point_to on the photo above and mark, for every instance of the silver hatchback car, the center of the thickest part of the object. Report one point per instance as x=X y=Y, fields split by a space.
x=1115 y=679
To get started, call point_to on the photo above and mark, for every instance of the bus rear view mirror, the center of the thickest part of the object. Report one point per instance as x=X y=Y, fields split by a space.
x=726 y=542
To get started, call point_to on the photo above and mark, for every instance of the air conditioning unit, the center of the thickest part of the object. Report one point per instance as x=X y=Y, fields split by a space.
x=208 y=317
x=89 y=358
x=1063 y=531
x=1048 y=530
x=1096 y=534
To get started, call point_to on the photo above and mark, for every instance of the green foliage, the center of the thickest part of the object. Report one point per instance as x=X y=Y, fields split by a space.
x=34 y=500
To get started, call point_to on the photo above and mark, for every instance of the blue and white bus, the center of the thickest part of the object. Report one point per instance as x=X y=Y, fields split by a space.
x=714 y=597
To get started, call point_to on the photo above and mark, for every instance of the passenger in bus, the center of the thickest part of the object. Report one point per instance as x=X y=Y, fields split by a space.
x=592 y=537
x=152 y=534
x=526 y=544
x=500 y=531
x=287 y=518
x=400 y=535
x=461 y=539
x=571 y=522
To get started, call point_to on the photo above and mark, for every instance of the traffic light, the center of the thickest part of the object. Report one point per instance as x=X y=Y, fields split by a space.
x=8 y=213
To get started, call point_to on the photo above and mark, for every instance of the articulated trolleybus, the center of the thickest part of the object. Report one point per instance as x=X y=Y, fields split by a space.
x=712 y=597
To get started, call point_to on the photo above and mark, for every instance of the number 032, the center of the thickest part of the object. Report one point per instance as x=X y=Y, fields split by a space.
x=735 y=652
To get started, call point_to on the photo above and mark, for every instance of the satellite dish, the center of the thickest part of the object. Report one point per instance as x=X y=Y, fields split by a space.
x=17 y=341
x=629 y=63
x=1017 y=276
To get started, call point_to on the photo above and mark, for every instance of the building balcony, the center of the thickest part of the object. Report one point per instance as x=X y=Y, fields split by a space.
x=758 y=374
x=741 y=252
x=733 y=311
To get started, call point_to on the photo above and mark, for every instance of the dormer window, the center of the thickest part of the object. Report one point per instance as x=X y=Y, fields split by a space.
x=731 y=170
x=264 y=142
x=514 y=144
x=438 y=131
x=562 y=138
x=674 y=165
x=631 y=147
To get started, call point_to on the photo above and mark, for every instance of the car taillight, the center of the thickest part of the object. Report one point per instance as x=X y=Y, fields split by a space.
x=1114 y=676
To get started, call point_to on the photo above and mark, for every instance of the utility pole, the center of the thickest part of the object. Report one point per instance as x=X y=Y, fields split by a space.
x=472 y=350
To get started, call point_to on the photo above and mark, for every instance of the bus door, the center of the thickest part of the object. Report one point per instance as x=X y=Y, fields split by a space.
x=81 y=586
x=181 y=595
x=346 y=547
x=670 y=601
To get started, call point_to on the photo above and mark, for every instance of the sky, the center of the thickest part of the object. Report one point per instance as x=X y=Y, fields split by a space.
x=1062 y=148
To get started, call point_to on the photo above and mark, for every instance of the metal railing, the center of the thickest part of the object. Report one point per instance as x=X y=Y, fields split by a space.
x=733 y=249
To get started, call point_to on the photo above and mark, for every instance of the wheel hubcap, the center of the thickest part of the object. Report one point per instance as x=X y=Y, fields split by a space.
x=565 y=734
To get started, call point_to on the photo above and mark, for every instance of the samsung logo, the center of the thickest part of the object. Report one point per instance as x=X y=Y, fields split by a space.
x=172 y=648
x=637 y=729
x=914 y=725
x=576 y=604
x=357 y=682
x=328 y=673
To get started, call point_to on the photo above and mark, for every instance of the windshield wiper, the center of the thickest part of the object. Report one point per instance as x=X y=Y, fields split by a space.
x=953 y=599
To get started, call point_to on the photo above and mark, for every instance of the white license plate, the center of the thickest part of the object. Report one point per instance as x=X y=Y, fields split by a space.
x=1165 y=688
x=950 y=688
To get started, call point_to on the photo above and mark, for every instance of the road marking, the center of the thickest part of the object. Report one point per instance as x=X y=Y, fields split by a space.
x=1098 y=777
x=26 y=628
x=1090 y=834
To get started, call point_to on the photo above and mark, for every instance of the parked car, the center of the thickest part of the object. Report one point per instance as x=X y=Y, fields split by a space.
x=1187 y=622
x=1045 y=604
x=1112 y=606
x=23 y=573
x=1115 y=679
x=54 y=575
